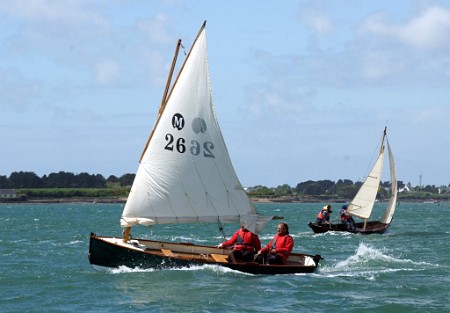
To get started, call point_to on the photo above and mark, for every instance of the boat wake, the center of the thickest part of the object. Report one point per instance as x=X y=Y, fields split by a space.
x=125 y=269
x=206 y=267
x=369 y=261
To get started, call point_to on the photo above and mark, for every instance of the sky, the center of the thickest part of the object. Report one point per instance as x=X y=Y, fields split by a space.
x=302 y=89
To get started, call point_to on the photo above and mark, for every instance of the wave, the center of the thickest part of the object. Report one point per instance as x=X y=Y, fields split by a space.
x=74 y=242
x=205 y=267
x=124 y=269
x=369 y=261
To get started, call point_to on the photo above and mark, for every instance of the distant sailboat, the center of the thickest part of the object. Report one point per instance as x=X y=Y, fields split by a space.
x=186 y=176
x=362 y=204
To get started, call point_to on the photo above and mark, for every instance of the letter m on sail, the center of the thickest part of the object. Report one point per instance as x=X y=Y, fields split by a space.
x=178 y=121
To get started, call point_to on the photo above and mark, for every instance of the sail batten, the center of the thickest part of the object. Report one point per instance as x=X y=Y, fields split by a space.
x=185 y=174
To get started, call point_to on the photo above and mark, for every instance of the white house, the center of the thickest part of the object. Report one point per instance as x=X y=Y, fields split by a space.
x=7 y=193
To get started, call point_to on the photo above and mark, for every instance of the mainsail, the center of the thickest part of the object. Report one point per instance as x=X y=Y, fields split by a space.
x=185 y=174
x=362 y=204
x=389 y=213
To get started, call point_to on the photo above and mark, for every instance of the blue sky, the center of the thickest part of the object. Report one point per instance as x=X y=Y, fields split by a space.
x=302 y=89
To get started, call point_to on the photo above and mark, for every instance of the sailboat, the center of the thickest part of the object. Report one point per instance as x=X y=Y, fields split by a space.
x=185 y=175
x=362 y=204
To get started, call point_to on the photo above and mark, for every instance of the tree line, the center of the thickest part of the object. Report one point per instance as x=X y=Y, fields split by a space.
x=19 y=180
x=343 y=188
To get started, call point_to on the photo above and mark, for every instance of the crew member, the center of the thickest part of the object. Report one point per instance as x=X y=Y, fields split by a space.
x=244 y=243
x=278 y=249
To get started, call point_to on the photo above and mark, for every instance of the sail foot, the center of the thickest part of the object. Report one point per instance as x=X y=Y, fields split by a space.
x=255 y=223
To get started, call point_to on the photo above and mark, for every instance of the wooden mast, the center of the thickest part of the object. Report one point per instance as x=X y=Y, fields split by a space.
x=126 y=234
x=127 y=230
x=166 y=95
x=166 y=91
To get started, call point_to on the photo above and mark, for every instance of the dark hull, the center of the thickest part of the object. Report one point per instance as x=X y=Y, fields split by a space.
x=104 y=252
x=371 y=228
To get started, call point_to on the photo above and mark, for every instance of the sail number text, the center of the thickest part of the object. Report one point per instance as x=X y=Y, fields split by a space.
x=195 y=148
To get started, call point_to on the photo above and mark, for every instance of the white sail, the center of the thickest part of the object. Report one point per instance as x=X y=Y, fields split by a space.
x=185 y=174
x=362 y=204
x=389 y=213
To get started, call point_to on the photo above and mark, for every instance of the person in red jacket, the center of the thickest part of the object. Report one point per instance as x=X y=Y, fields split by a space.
x=278 y=249
x=245 y=244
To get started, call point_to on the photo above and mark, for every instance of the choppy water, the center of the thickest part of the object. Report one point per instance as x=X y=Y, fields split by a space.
x=44 y=266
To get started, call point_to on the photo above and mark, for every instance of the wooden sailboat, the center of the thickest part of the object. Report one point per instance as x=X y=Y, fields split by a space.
x=186 y=176
x=362 y=204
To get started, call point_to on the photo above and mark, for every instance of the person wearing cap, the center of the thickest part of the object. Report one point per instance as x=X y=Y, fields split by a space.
x=346 y=218
x=278 y=249
x=244 y=244
x=324 y=215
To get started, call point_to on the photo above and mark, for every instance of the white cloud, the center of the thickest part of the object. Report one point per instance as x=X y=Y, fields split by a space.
x=378 y=64
x=317 y=19
x=51 y=11
x=428 y=30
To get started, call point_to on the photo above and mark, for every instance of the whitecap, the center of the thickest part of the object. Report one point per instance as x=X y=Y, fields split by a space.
x=368 y=262
x=124 y=269
x=74 y=242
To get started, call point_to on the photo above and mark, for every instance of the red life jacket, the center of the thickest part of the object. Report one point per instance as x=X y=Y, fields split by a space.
x=279 y=243
x=345 y=217
x=320 y=215
x=244 y=241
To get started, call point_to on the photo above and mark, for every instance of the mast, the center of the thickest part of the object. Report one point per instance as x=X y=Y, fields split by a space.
x=382 y=141
x=379 y=153
x=127 y=230
x=166 y=91
x=165 y=96
x=126 y=234
x=362 y=204
x=185 y=60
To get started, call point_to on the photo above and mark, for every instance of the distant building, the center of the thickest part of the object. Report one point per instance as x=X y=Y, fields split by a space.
x=8 y=193
x=404 y=189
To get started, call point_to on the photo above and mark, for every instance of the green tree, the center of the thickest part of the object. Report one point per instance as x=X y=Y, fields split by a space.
x=345 y=189
x=60 y=180
x=260 y=191
x=25 y=180
x=283 y=190
x=315 y=188
x=127 y=180
x=4 y=182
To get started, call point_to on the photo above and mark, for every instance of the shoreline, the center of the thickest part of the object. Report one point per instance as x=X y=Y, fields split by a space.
x=105 y=200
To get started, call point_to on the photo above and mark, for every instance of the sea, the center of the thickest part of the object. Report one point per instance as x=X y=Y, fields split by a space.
x=44 y=264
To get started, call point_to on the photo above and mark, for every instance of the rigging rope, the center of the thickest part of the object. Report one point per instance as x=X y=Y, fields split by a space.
x=184 y=49
x=221 y=229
